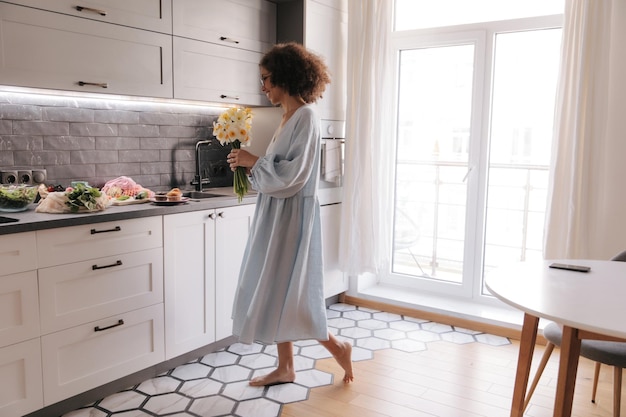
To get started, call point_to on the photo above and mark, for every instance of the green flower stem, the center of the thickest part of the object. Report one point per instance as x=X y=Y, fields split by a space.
x=240 y=179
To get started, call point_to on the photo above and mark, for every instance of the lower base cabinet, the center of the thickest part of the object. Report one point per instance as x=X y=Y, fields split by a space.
x=86 y=356
x=335 y=281
x=20 y=378
x=204 y=251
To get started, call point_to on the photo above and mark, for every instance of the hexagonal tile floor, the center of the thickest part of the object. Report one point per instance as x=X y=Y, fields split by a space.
x=217 y=384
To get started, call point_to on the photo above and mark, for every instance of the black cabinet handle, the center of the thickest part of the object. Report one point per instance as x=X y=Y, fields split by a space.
x=84 y=83
x=101 y=329
x=92 y=10
x=115 y=229
x=231 y=97
x=95 y=267
x=227 y=39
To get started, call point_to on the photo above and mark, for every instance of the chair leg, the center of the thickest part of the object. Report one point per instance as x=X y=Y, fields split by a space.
x=542 y=366
x=617 y=390
x=596 y=377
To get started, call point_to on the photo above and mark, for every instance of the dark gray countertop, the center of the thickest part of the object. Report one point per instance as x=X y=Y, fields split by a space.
x=30 y=220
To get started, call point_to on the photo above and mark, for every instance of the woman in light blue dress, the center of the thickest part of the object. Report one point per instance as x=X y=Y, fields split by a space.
x=280 y=295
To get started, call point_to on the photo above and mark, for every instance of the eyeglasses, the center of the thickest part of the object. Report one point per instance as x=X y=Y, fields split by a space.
x=263 y=78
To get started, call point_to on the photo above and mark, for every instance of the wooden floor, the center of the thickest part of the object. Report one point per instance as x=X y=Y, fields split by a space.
x=448 y=380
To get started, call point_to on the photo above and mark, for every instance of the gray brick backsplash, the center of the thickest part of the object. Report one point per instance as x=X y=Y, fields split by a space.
x=94 y=157
x=110 y=171
x=21 y=143
x=95 y=140
x=6 y=159
x=21 y=127
x=6 y=127
x=69 y=143
x=41 y=159
x=158 y=118
x=116 y=116
x=161 y=143
x=178 y=131
x=140 y=131
x=116 y=142
x=20 y=112
x=154 y=168
x=93 y=129
x=67 y=114
x=139 y=156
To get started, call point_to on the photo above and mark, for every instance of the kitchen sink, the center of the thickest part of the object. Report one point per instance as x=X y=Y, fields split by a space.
x=201 y=194
x=213 y=192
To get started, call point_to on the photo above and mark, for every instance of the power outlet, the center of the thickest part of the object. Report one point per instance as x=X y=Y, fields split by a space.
x=25 y=177
x=8 y=177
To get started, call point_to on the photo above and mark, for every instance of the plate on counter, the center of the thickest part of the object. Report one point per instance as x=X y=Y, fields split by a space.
x=130 y=201
x=182 y=200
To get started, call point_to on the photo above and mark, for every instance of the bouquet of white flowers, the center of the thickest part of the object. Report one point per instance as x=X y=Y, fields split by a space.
x=233 y=126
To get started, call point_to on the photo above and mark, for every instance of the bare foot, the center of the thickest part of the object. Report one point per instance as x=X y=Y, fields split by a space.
x=274 y=378
x=345 y=361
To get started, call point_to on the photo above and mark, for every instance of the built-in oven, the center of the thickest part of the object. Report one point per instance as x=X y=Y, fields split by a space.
x=332 y=162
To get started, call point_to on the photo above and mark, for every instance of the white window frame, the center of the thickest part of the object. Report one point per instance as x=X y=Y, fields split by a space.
x=482 y=35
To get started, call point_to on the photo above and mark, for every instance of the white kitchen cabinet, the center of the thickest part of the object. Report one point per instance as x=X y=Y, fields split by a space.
x=20 y=350
x=72 y=294
x=231 y=235
x=79 y=243
x=52 y=50
x=244 y=24
x=155 y=15
x=335 y=281
x=101 y=301
x=210 y=72
x=321 y=26
x=19 y=304
x=20 y=378
x=204 y=250
x=217 y=48
x=19 y=307
x=86 y=356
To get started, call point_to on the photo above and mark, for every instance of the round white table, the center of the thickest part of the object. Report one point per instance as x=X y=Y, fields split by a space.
x=589 y=305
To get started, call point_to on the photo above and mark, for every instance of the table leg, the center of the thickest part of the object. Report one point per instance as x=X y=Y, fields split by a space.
x=524 y=360
x=568 y=365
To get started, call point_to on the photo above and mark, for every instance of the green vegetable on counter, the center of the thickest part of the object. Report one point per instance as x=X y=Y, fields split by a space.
x=82 y=196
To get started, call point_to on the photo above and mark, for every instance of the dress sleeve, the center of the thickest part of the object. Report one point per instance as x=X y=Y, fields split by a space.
x=282 y=175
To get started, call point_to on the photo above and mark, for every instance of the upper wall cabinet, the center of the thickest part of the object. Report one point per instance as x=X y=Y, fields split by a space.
x=52 y=50
x=217 y=48
x=209 y=72
x=322 y=26
x=244 y=24
x=155 y=15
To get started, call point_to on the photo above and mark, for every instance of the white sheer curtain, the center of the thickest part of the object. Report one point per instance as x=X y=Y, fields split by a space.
x=578 y=157
x=369 y=131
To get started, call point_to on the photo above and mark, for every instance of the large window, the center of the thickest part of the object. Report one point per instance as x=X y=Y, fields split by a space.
x=475 y=107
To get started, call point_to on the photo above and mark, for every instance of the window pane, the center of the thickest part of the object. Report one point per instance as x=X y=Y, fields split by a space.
x=433 y=141
x=524 y=90
x=421 y=14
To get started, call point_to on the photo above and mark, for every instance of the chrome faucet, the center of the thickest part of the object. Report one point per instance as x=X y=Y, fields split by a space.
x=198 y=181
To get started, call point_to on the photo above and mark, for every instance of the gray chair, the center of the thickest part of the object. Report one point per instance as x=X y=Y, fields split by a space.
x=602 y=352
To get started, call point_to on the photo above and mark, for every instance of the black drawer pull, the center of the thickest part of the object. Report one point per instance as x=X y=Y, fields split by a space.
x=84 y=83
x=117 y=263
x=115 y=229
x=224 y=38
x=231 y=97
x=101 y=329
x=92 y=10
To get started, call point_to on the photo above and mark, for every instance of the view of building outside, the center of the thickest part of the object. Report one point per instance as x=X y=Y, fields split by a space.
x=438 y=149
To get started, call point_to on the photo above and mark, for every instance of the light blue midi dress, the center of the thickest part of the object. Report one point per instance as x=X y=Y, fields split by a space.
x=280 y=295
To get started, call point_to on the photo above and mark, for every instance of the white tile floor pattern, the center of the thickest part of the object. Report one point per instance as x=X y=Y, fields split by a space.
x=216 y=385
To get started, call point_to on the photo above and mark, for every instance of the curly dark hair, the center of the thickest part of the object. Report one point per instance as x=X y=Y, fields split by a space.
x=298 y=71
